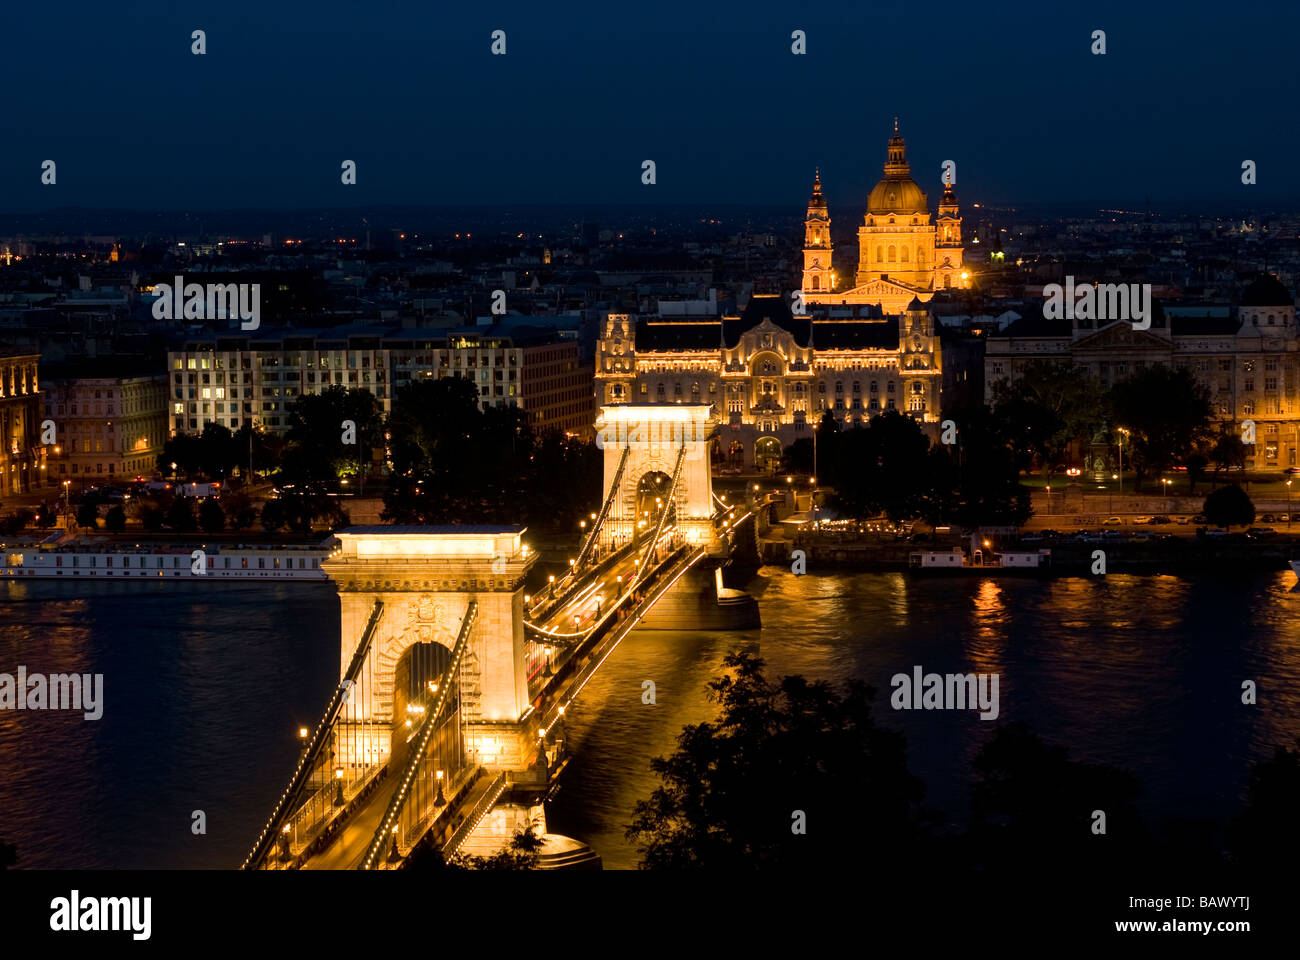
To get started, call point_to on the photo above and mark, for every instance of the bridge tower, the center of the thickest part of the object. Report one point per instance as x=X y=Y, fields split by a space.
x=642 y=444
x=426 y=577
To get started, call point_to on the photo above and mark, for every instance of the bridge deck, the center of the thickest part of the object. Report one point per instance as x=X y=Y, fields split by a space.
x=346 y=851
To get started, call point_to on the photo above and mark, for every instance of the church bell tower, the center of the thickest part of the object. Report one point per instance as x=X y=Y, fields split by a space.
x=818 y=277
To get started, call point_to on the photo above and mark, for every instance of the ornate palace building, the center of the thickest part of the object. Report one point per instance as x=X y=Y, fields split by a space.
x=902 y=256
x=22 y=461
x=1250 y=363
x=770 y=374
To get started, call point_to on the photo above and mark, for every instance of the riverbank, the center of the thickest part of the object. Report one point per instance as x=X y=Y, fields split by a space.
x=1069 y=556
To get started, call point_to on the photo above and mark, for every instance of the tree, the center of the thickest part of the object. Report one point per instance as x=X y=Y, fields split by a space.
x=1229 y=506
x=1032 y=806
x=1267 y=830
x=88 y=515
x=17 y=521
x=1050 y=405
x=1228 y=452
x=738 y=791
x=1196 y=462
x=320 y=450
x=115 y=521
x=1167 y=413
x=983 y=471
x=47 y=515
x=273 y=516
x=212 y=519
x=181 y=515
x=522 y=854
x=240 y=512
x=451 y=460
x=884 y=467
x=152 y=518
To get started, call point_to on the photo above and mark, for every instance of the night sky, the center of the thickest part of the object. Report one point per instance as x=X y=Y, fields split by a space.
x=587 y=91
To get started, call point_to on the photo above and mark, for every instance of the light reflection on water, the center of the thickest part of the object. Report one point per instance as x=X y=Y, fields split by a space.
x=1141 y=672
x=205 y=686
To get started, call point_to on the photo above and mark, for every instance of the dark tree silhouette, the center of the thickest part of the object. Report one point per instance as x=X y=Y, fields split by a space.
x=212 y=519
x=1229 y=506
x=766 y=784
x=115 y=519
x=1267 y=832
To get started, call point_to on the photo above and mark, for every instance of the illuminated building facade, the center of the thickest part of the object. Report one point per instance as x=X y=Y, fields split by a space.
x=769 y=375
x=106 y=428
x=1249 y=363
x=233 y=380
x=902 y=255
x=21 y=458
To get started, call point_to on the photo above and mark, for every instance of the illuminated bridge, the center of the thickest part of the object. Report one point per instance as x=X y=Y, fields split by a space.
x=454 y=680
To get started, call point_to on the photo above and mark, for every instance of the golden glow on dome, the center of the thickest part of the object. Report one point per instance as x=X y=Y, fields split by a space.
x=896 y=193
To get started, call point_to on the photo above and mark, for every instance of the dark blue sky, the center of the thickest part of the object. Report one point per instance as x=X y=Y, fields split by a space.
x=586 y=91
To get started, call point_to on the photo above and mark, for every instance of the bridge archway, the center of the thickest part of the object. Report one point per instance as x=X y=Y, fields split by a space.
x=651 y=491
x=415 y=676
x=654 y=436
x=767 y=452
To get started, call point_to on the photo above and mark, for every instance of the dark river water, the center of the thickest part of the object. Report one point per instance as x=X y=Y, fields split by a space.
x=206 y=686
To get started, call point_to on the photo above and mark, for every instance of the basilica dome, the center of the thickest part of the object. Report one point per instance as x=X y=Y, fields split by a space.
x=897 y=193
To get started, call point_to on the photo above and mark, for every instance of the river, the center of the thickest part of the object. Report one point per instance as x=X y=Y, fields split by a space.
x=205 y=686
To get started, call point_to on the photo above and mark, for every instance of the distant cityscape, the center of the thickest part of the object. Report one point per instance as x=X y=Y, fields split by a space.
x=634 y=306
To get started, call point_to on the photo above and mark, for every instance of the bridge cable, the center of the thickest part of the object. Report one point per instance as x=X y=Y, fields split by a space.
x=604 y=510
x=318 y=740
x=421 y=739
x=670 y=503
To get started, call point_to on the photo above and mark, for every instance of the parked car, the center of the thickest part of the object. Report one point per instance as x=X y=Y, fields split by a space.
x=1113 y=522
x=1182 y=521
x=1200 y=519
x=1141 y=520
x=1268 y=518
x=1161 y=521
x=1291 y=471
x=1261 y=532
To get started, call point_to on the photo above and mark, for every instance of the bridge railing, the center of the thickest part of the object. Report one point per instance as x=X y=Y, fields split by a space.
x=328 y=801
x=548 y=600
x=574 y=671
x=482 y=809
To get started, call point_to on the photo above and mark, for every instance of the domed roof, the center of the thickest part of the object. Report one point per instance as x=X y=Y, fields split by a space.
x=1267 y=291
x=897 y=192
x=896 y=197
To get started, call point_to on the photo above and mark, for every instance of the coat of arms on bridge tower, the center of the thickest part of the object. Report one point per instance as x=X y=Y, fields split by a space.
x=425 y=624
